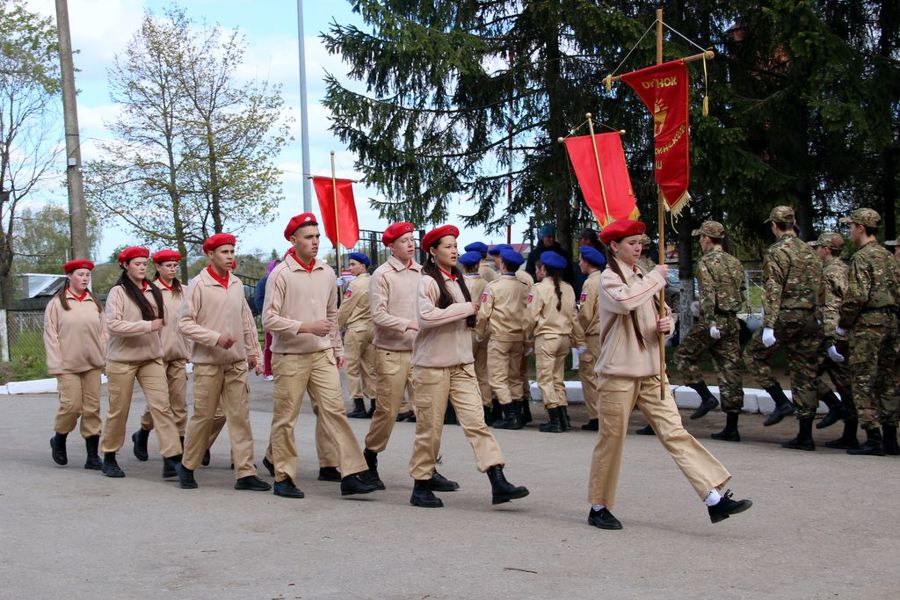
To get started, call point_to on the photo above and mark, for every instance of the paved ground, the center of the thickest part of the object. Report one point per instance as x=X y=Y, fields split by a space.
x=823 y=525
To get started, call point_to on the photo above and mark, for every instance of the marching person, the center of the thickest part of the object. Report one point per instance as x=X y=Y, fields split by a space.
x=476 y=284
x=260 y=300
x=792 y=282
x=869 y=317
x=629 y=370
x=723 y=293
x=355 y=320
x=216 y=318
x=301 y=312
x=551 y=322
x=591 y=264
x=135 y=314
x=75 y=345
x=392 y=297
x=501 y=319
x=486 y=273
x=175 y=351
x=443 y=371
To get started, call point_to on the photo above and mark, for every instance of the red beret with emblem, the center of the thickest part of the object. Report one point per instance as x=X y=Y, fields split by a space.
x=621 y=229
x=437 y=233
x=133 y=252
x=396 y=230
x=74 y=265
x=297 y=221
x=219 y=239
x=162 y=256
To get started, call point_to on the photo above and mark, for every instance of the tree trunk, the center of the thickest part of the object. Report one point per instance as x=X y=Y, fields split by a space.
x=214 y=191
x=889 y=27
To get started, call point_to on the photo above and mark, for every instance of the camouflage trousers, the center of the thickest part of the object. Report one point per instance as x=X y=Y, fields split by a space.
x=799 y=334
x=726 y=354
x=873 y=369
x=838 y=373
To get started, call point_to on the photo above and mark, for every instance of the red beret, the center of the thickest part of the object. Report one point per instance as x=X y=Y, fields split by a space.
x=166 y=256
x=437 y=233
x=295 y=222
x=219 y=239
x=396 y=230
x=133 y=252
x=621 y=229
x=74 y=265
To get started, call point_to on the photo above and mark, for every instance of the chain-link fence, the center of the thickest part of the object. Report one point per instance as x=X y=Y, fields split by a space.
x=25 y=341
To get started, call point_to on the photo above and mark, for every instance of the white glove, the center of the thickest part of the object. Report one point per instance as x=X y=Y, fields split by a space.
x=840 y=331
x=580 y=350
x=714 y=333
x=768 y=337
x=834 y=355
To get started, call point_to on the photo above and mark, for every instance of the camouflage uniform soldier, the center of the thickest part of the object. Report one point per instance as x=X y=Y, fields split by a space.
x=723 y=293
x=869 y=313
x=834 y=276
x=792 y=276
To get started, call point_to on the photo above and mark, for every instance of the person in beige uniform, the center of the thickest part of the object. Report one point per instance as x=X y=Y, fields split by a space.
x=74 y=346
x=483 y=269
x=135 y=314
x=301 y=313
x=443 y=369
x=591 y=263
x=629 y=369
x=551 y=323
x=355 y=320
x=175 y=350
x=392 y=298
x=216 y=318
x=470 y=262
x=501 y=318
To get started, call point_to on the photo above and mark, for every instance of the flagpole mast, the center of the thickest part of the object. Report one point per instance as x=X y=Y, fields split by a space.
x=337 y=229
x=661 y=219
x=597 y=160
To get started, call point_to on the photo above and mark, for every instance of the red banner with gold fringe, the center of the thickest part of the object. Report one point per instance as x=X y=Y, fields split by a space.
x=606 y=191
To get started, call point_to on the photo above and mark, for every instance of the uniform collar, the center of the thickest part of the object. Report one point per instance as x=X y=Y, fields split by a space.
x=223 y=281
x=80 y=298
x=298 y=265
x=400 y=266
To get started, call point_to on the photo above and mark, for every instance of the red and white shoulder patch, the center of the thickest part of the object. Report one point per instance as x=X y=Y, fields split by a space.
x=348 y=293
x=530 y=297
x=484 y=296
x=583 y=297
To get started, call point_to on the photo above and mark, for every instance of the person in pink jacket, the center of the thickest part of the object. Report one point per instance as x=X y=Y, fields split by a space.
x=75 y=347
x=628 y=367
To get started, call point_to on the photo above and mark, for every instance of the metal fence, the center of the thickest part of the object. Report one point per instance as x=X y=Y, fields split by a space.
x=24 y=341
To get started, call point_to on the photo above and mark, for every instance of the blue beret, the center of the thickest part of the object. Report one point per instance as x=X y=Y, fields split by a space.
x=360 y=258
x=511 y=257
x=553 y=260
x=593 y=256
x=476 y=247
x=498 y=248
x=470 y=258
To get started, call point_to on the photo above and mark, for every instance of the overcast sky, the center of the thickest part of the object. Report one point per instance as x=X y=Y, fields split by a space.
x=101 y=28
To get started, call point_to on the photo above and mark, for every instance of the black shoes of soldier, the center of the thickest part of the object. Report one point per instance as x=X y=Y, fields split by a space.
x=873 y=446
x=140 y=438
x=591 y=425
x=371 y=476
x=439 y=483
x=206 y=458
x=706 y=405
x=502 y=490
x=269 y=466
x=804 y=440
x=727 y=507
x=848 y=438
x=889 y=433
x=329 y=474
x=92 y=463
x=730 y=433
x=423 y=495
x=783 y=406
x=58 y=448
x=186 y=479
x=836 y=411
x=252 y=483
x=110 y=467
x=287 y=489
x=354 y=484
x=603 y=519
x=169 y=466
x=359 y=409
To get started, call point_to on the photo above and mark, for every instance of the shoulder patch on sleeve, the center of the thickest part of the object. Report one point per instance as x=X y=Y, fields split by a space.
x=530 y=297
x=348 y=293
x=583 y=297
x=484 y=296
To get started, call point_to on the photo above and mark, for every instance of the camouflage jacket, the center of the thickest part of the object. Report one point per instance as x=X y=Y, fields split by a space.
x=792 y=276
x=832 y=296
x=871 y=284
x=722 y=285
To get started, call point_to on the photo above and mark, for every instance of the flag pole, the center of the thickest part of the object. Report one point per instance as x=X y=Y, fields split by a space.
x=590 y=121
x=337 y=229
x=661 y=219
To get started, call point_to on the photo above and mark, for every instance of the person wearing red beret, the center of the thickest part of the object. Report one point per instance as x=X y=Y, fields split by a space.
x=444 y=371
x=175 y=350
x=135 y=314
x=75 y=345
x=392 y=300
x=217 y=320
x=628 y=367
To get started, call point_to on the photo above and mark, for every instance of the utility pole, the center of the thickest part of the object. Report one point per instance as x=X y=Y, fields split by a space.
x=77 y=211
x=304 y=120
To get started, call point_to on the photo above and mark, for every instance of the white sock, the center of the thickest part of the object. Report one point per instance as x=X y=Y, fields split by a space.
x=597 y=507
x=713 y=498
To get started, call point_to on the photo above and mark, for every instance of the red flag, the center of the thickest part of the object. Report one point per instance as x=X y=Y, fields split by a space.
x=664 y=89
x=608 y=192
x=346 y=210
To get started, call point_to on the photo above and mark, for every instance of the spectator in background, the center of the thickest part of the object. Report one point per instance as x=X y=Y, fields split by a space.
x=588 y=237
x=260 y=299
x=548 y=242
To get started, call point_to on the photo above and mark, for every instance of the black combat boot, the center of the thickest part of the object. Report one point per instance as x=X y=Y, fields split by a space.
x=502 y=490
x=110 y=467
x=873 y=446
x=206 y=458
x=169 y=464
x=93 y=462
x=525 y=404
x=58 y=448
x=591 y=425
x=269 y=466
x=423 y=495
x=287 y=489
x=511 y=417
x=359 y=409
x=450 y=415
x=488 y=415
x=645 y=430
x=564 y=418
x=439 y=483
x=371 y=410
x=554 y=425
x=252 y=483
x=730 y=433
x=804 y=440
x=355 y=484
x=707 y=400
x=783 y=406
x=496 y=410
x=727 y=507
x=186 y=479
x=329 y=474
x=836 y=410
x=140 y=438
x=889 y=432
x=372 y=474
x=848 y=438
